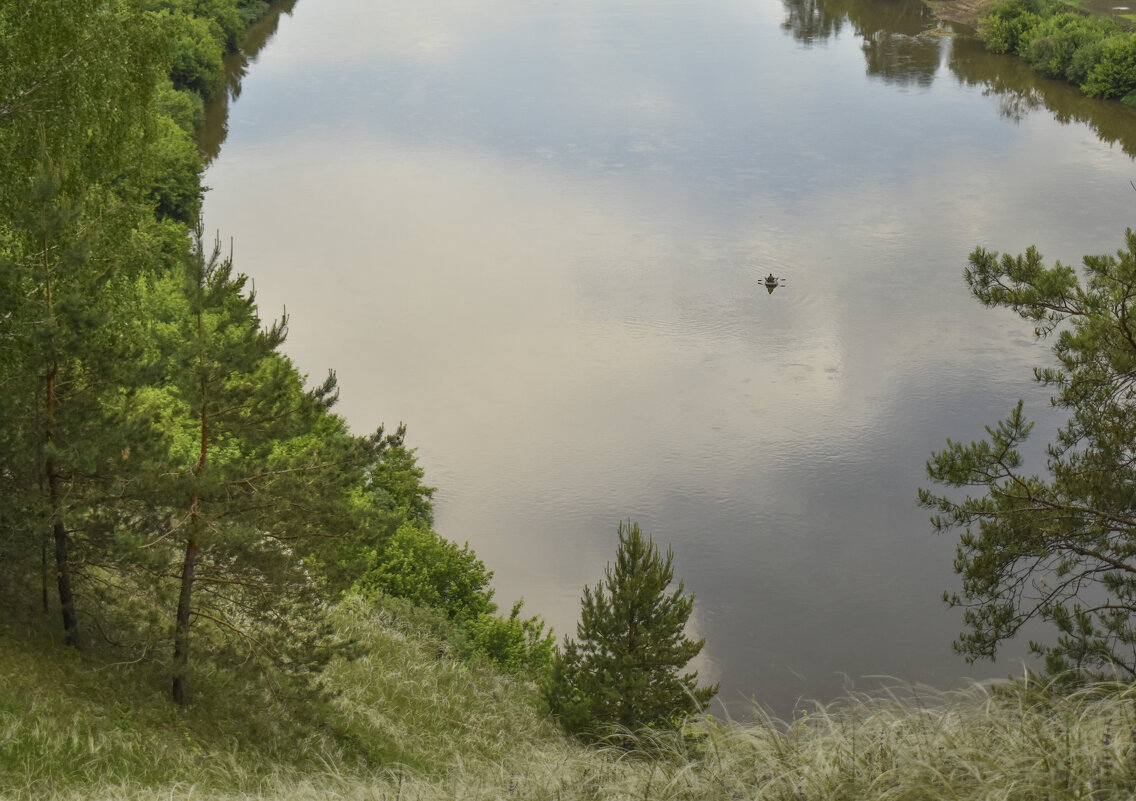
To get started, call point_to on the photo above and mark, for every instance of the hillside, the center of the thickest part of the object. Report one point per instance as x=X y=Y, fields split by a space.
x=406 y=716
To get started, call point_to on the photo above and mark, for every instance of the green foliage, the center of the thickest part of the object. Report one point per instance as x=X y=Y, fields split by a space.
x=394 y=489
x=177 y=185
x=224 y=15
x=1060 y=549
x=516 y=644
x=196 y=57
x=251 y=10
x=243 y=467
x=76 y=78
x=1053 y=44
x=185 y=108
x=389 y=492
x=624 y=671
x=1006 y=26
x=203 y=31
x=417 y=564
x=67 y=368
x=403 y=718
x=1115 y=74
x=1090 y=51
x=1084 y=59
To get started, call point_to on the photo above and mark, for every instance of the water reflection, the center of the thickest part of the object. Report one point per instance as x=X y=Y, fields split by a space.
x=899 y=40
x=904 y=44
x=215 y=127
x=538 y=234
x=812 y=21
x=902 y=58
x=1021 y=91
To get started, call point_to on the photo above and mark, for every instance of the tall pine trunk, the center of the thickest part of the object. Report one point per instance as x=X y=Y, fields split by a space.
x=55 y=496
x=62 y=562
x=189 y=563
x=181 y=632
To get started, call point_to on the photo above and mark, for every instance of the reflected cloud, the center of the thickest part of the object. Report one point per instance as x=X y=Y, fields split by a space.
x=549 y=259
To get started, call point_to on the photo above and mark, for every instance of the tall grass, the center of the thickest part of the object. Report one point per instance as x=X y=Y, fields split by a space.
x=410 y=717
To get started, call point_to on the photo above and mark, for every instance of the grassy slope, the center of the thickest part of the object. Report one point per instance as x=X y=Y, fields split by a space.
x=408 y=720
x=73 y=725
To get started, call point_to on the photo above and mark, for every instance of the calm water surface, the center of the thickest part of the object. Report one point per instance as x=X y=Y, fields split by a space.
x=535 y=231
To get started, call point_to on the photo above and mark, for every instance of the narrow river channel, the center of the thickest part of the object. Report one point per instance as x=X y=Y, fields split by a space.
x=536 y=232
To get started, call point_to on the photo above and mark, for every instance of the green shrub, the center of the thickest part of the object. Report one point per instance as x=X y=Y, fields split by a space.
x=514 y=643
x=417 y=564
x=196 y=62
x=1090 y=51
x=1002 y=34
x=177 y=184
x=1084 y=60
x=1053 y=44
x=184 y=107
x=251 y=10
x=225 y=15
x=1115 y=74
x=1006 y=28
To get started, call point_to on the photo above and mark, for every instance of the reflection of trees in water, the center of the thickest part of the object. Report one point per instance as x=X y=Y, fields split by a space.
x=895 y=45
x=812 y=21
x=903 y=59
x=900 y=47
x=1020 y=90
x=215 y=128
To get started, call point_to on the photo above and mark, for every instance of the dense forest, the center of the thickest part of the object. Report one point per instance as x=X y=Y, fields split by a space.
x=173 y=489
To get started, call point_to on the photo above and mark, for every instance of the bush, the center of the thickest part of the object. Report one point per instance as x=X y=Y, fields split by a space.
x=1084 y=61
x=177 y=184
x=185 y=108
x=1053 y=44
x=514 y=643
x=1005 y=28
x=1115 y=74
x=225 y=15
x=196 y=62
x=251 y=10
x=417 y=564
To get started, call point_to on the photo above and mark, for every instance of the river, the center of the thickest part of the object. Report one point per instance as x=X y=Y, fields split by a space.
x=536 y=231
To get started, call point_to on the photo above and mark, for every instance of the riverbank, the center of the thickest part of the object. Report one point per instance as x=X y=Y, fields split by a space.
x=405 y=719
x=961 y=12
x=967 y=12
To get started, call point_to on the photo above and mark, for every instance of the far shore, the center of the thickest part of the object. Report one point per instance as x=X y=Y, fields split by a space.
x=967 y=12
x=963 y=12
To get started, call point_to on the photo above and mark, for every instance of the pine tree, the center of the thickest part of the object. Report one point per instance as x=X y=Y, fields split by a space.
x=1058 y=547
x=625 y=669
x=67 y=367
x=253 y=467
x=75 y=89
